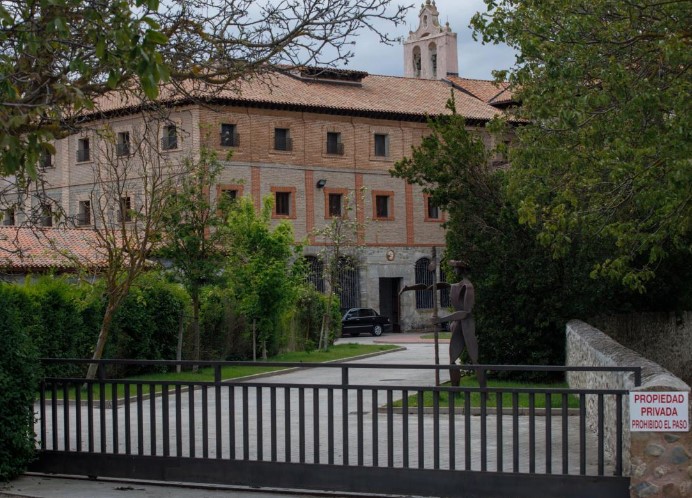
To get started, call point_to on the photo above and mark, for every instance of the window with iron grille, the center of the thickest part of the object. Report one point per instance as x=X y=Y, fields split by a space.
x=444 y=293
x=122 y=144
x=124 y=211
x=46 y=160
x=381 y=145
x=335 y=204
x=84 y=216
x=282 y=139
x=8 y=218
x=47 y=215
x=229 y=135
x=348 y=283
x=169 y=140
x=334 y=145
x=83 y=153
x=382 y=206
x=424 y=298
x=282 y=203
x=315 y=274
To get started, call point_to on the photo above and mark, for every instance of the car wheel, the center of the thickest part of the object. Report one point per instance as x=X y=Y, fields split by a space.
x=377 y=330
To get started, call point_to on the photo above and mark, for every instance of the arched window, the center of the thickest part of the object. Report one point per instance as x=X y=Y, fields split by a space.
x=444 y=293
x=315 y=272
x=348 y=286
x=416 y=62
x=424 y=298
x=432 y=51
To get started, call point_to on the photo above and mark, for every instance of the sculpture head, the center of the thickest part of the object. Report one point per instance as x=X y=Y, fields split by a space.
x=461 y=267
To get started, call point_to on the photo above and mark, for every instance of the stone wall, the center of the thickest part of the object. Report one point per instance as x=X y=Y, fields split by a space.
x=665 y=338
x=659 y=463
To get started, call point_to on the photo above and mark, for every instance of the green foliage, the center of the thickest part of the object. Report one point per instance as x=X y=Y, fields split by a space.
x=223 y=330
x=259 y=272
x=604 y=155
x=310 y=309
x=19 y=376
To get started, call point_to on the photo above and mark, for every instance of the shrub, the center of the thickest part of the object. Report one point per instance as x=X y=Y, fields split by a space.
x=19 y=374
x=223 y=331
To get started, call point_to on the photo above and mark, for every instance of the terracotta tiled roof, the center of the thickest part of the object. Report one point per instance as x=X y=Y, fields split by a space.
x=485 y=90
x=24 y=249
x=384 y=95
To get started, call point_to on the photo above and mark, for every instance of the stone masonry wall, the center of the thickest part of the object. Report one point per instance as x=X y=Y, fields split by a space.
x=659 y=464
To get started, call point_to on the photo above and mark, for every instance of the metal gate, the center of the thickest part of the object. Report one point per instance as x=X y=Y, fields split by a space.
x=392 y=436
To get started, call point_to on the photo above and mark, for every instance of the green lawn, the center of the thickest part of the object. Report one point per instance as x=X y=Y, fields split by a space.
x=337 y=352
x=523 y=401
x=440 y=335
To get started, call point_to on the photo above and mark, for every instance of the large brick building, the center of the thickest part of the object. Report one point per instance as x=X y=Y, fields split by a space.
x=310 y=138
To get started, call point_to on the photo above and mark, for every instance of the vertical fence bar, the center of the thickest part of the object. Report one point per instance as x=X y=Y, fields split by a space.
x=152 y=417
x=452 y=430
x=467 y=430
x=78 y=414
x=532 y=432
x=102 y=409
x=192 y=428
x=231 y=422
x=375 y=431
x=421 y=437
x=272 y=416
x=205 y=421
x=301 y=425
x=178 y=421
x=582 y=434
x=498 y=429
x=484 y=430
x=618 y=434
x=390 y=428
x=601 y=435
x=114 y=413
x=217 y=405
x=404 y=427
x=246 y=424
x=287 y=424
x=260 y=423
x=565 y=435
x=66 y=415
x=316 y=425
x=42 y=412
x=165 y=421
x=140 y=420
x=90 y=415
x=515 y=432
x=359 y=404
x=344 y=413
x=128 y=425
x=548 y=434
x=436 y=429
x=330 y=426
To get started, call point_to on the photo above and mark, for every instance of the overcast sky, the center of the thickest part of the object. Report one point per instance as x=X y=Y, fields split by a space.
x=475 y=60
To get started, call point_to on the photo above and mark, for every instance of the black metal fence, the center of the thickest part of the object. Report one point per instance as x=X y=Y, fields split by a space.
x=343 y=429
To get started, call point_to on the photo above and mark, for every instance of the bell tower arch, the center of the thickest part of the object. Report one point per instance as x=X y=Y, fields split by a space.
x=430 y=52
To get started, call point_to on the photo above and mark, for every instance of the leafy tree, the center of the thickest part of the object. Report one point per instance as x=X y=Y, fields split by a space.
x=193 y=241
x=259 y=269
x=605 y=152
x=59 y=57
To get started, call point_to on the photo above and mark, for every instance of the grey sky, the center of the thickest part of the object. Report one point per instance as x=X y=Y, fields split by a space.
x=475 y=60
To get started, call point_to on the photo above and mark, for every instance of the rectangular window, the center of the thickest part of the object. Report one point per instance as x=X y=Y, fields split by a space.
x=46 y=160
x=335 y=204
x=381 y=145
x=169 y=141
x=334 y=145
x=122 y=144
x=432 y=210
x=8 y=218
x=229 y=135
x=382 y=206
x=283 y=203
x=282 y=139
x=46 y=215
x=84 y=216
x=124 y=210
x=83 y=150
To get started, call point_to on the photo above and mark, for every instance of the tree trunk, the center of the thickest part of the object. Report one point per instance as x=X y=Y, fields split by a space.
x=196 y=341
x=111 y=307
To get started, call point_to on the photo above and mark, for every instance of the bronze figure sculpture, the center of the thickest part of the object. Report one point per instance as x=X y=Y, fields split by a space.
x=462 y=325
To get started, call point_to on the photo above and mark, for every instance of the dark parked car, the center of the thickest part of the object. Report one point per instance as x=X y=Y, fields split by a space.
x=358 y=320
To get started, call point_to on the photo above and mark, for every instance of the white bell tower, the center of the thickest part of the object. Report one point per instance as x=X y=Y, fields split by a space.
x=430 y=52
